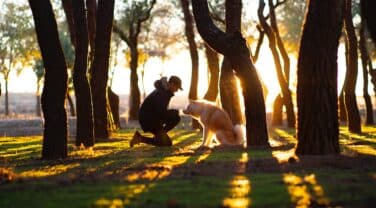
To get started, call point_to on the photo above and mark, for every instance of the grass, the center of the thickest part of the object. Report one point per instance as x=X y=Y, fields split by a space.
x=114 y=175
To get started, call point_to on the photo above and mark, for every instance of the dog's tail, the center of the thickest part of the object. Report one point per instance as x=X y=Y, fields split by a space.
x=239 y=131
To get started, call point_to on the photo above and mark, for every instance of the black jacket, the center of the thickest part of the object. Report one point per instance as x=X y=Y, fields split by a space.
x=156 y=103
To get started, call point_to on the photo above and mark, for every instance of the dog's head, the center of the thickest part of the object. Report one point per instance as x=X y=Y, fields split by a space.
x=193 y=109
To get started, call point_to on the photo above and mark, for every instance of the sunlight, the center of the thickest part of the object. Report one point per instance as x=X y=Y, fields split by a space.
x=240 y=189
x=284 y=156
x=49 y=170
x=299 y=189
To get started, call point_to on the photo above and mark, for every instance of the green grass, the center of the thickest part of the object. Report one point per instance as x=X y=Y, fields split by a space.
x=114 y=175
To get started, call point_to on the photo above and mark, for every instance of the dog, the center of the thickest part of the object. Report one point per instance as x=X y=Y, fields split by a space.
x=215 y=120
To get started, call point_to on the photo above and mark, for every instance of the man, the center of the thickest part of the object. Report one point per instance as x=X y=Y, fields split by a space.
x=154 y=116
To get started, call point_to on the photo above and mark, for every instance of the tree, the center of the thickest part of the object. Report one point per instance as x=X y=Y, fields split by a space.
x=85 y=122
x=353 y=117
x=228 y=85
x=99 y=67
x=213 y=67
x=366 y=70
x=38 y=69
x=234 y=47
x=317 y=126
x=190 y=36
x=55 y=81
x=135 y=13
x=14 y=40
x=275 y=44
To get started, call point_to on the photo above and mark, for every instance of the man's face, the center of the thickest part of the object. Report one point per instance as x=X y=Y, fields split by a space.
x=173 y=87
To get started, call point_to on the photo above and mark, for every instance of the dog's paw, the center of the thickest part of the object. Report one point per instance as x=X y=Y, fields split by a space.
x=203 y=148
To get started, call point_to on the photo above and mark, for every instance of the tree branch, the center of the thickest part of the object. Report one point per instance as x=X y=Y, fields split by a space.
x=120 y=32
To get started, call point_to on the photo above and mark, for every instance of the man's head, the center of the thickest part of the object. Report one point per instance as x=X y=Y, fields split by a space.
x=175 y=84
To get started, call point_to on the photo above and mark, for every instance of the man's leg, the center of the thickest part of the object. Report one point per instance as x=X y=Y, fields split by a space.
x=160 y=139
x=172 y=119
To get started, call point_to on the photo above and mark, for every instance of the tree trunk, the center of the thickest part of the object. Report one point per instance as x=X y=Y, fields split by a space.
x=100 y=66
x=227 y=81
x=135 y=95
x=365 y=58
x=277 y=118
x=37 y=107
x=55 y=81
x=353 y=117
x=235 y=48
x=6 y=96
x=229 y=92
x=192 y=95
x=91 y=7
x=213 y=66
x=342 y=107
x=85 y=122
x=71 y=105
x=282 y=79
x=114 y=104
x=317 y=129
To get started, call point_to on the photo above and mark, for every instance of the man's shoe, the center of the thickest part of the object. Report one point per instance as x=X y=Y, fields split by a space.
x=136 y=139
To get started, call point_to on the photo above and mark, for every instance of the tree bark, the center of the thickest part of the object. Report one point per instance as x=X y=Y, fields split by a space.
x=100 y=66
x=135 y=95
x=235 y=48
x=213 y=66
x=227 y=81
x=317 y=129
x=353 y=117
x=189 y=34
x=365 y=58
x=55 y=81
x=85 y=122
x=282 y=78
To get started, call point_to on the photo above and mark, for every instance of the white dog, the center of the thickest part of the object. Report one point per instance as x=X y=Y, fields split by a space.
x=217 y=121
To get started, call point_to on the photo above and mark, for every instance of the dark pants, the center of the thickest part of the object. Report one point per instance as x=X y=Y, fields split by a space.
x=158 y=127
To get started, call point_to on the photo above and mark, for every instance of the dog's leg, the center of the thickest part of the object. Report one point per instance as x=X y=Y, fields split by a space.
x=205 y=137
x=209 y=138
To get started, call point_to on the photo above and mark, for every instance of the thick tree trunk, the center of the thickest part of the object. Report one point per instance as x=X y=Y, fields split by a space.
x=135 y=95
x=229 y=92
x=365 y=58
x=213 y=66
x=227 y=81
x=189 y=33
x=353 y=117
x=235 y=48
x=85 y=122
x=317 y=128
x=55 y=81
x=283 y=83
x=100 y=66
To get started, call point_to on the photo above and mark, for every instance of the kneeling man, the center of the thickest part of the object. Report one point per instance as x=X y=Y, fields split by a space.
x=154 y=117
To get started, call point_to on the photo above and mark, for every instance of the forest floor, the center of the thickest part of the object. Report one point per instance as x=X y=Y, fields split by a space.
x=115 y=175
